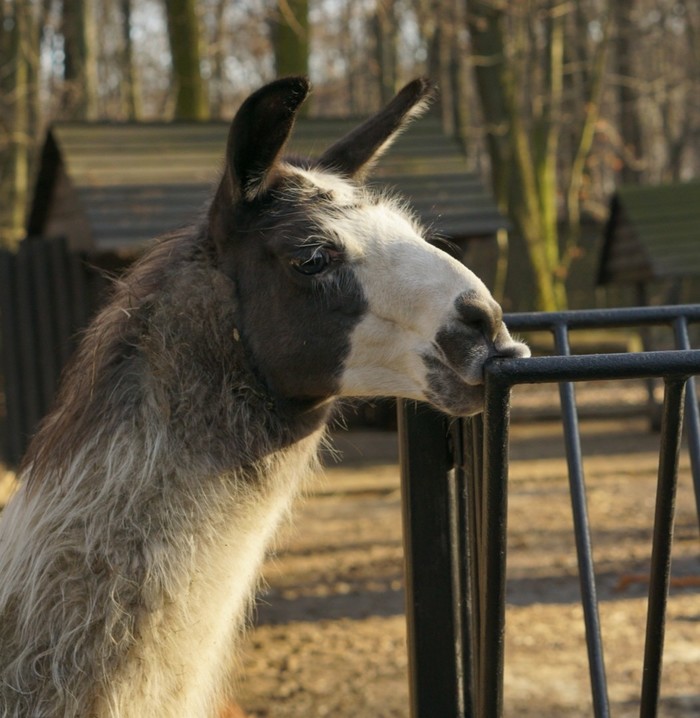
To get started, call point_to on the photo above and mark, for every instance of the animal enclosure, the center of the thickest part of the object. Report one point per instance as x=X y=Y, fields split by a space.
x=460 y=626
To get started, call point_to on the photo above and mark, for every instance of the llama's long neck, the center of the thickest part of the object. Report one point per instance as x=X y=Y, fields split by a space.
x=154 y=579
x=155 y=489
x=183 y=657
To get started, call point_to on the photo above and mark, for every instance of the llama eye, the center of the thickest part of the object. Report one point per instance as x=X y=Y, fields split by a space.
x=314 y=263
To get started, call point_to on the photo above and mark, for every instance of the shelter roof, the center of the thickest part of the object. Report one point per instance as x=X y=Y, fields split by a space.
x=653 y=232
x=131 y=182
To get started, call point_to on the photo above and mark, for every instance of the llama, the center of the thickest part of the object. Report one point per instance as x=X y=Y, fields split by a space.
x=192 y=414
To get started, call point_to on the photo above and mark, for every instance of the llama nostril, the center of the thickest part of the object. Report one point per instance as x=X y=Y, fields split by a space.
x=480 y=317
x=479 y=327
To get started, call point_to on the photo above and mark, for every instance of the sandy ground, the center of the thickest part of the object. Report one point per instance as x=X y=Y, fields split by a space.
x=329 y=638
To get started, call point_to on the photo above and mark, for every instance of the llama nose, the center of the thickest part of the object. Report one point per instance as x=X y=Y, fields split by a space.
x=485 y=317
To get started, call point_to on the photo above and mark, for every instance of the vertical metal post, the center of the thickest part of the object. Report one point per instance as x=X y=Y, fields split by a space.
x=471 y=454
x=671 y=428
x=582 y=534
x=492 y=548
x=692 y=412
x=432 y=608
x=461 y=568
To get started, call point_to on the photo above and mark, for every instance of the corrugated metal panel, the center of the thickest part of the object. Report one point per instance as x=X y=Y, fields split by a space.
x=136 y=181
x=46 y=294
x=653 y=233
x=130 y=215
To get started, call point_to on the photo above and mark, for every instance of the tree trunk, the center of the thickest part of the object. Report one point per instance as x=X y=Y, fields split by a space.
x=385 y=44
x=583 y=142
x=191 y=102
x=291 y=38
x=455 y=105
x=627 y=92
x=518 y=181
x=79 y=100
x=217 y=58
x=19 y=57
x=438 y=22
x=131 y=90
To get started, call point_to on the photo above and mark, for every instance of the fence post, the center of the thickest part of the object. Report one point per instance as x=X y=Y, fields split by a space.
x=671 y=429
x=432 y=597
x=492 y=548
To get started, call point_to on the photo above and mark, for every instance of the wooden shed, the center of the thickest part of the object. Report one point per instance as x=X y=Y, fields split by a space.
x=653 y=233
x=110 y=188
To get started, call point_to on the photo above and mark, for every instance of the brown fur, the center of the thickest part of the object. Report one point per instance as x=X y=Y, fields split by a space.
x=193 y=411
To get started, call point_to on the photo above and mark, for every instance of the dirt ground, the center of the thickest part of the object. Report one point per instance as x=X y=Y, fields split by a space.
x=329 y=635
x=329 y=638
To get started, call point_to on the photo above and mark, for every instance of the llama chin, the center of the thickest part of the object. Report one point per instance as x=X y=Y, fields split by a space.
x=193 y=410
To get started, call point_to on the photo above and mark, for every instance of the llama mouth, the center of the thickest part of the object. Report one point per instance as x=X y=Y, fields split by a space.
x=449 y=391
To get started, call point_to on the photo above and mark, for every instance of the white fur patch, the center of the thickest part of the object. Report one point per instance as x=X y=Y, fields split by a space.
x=202 y=581
x=411 y=288
x=194 y=640
x=343 y=191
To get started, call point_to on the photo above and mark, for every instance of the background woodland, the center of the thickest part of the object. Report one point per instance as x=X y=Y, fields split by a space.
x=555 y=103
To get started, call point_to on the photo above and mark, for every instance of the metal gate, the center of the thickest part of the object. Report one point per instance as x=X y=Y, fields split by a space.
x=455 y=483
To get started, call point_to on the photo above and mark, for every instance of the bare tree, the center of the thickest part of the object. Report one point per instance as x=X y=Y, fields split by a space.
x=439 y=23
x=656 y=122
x=130 y=85
x=291 y=37
x=672 y=90
x=386 y=36
x=80 y=85
x=520 y=84
x=183 y=32
x=19 y=61
x=627 y=85
x=217 y=56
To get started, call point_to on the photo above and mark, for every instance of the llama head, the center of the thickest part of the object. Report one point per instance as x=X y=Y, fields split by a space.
x=338 y=293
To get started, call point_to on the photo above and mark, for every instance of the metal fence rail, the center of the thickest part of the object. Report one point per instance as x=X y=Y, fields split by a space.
x=454 y=478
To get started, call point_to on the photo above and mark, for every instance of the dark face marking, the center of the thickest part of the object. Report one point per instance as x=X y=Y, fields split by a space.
x=459 y=344
x=447 y=390
x=295 y=324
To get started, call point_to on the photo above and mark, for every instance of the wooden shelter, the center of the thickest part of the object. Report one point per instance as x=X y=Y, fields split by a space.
x=110 y=188
x=653 y=233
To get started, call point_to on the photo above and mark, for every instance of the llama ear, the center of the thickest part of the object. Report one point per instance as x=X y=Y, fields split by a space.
x=258 y=134
x=355 y=154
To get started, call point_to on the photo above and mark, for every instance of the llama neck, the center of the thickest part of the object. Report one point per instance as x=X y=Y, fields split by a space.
x=150 y=496
x=188 y=642
x=154 y=565
x=174 y=368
